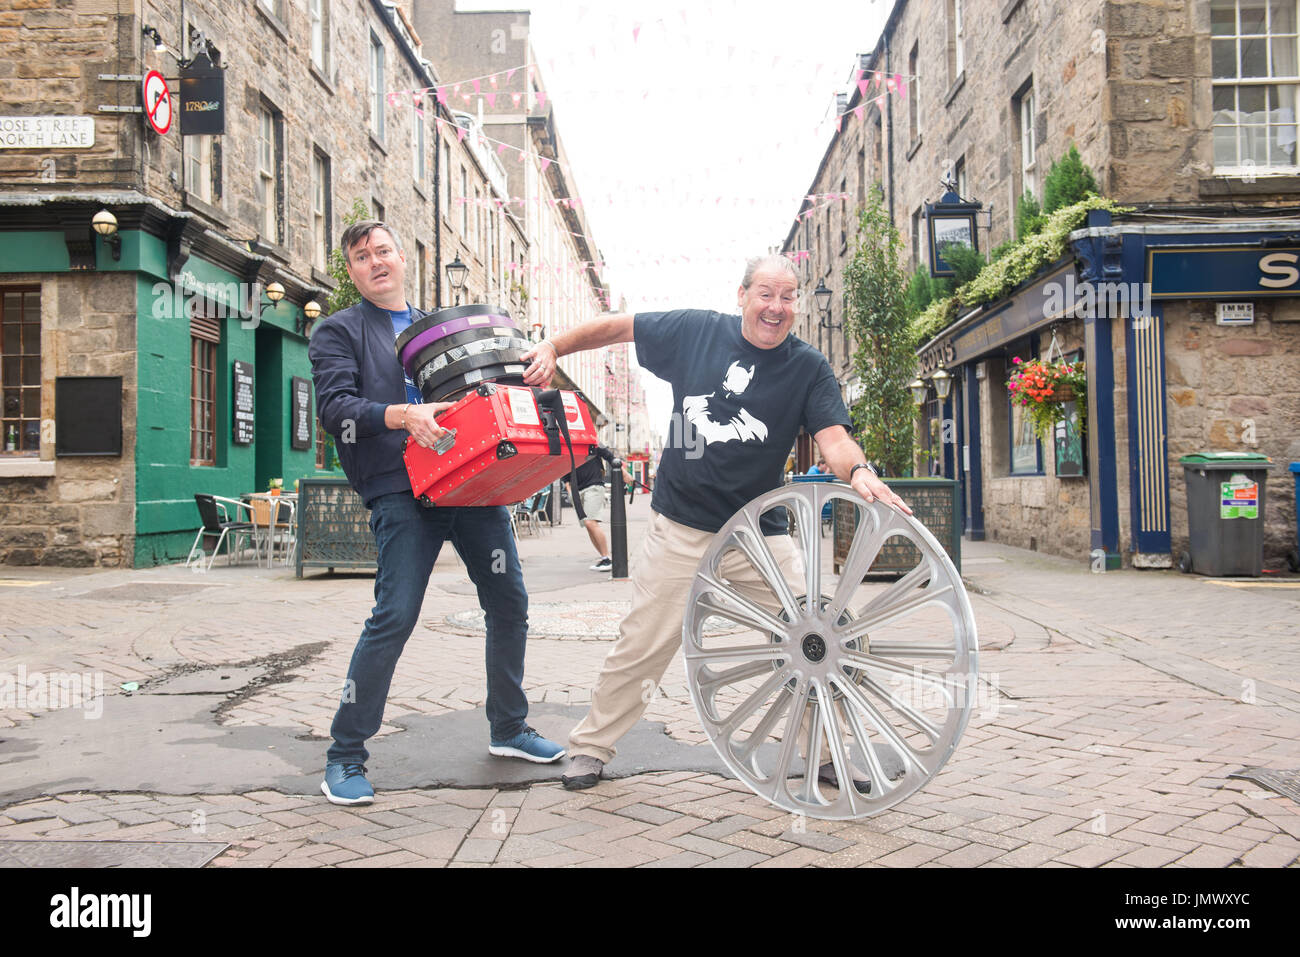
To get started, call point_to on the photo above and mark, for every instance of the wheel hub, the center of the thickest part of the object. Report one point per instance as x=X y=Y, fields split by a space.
x=814 y=648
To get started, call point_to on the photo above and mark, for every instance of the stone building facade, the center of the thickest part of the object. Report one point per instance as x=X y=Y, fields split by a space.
x=1175 y=108
x=322 y=108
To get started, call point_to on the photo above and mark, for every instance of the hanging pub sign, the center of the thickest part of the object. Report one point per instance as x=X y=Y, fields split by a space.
x=950 y=222
x=300 y=435
x=203 y=99
x=243 y=398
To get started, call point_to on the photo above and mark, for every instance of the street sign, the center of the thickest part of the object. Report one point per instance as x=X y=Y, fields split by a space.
x=157 y=102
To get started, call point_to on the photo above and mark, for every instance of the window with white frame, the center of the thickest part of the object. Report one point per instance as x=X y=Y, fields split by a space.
x=320 y=220
x=1254 y=62
x=1028 y=142
x=198 y=166
x=446 y=179
x=463 y=199
x=318 y=16
x=417 y=146
x=268 y=173
x=376 y=87
x=914 y=97
x=956 y=41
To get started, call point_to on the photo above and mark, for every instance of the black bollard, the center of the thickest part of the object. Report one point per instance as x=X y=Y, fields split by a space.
x=617 y=521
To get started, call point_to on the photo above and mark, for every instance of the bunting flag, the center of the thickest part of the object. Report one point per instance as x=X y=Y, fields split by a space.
x=491 y=101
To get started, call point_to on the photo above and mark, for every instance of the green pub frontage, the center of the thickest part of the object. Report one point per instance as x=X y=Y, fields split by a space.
x=142 y=366
x=1190 y=335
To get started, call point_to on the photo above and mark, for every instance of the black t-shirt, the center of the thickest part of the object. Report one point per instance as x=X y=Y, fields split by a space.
x=591 y=473
x=736 y=411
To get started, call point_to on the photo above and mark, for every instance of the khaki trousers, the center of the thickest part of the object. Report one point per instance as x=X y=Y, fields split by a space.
x=652 y=632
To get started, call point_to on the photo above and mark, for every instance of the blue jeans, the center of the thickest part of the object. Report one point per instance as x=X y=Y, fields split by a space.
x=409 y=537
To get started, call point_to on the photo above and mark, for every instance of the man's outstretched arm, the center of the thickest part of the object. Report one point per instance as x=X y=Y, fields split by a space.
x=592 y=334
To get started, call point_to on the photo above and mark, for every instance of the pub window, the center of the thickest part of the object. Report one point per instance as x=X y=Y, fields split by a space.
x=844 y=213
x=477 y=243
x=320 y=209
x=418 y=163
x=318 y=12
x=916 y=238
x=378 y=209
x=463 y=198
x=1253 y=53
x=205 y=337
x=1026 y=454
x=377 y=87
x=270 y=174
x=446 y=180
x=20 y=369
x=1024 y=110
x=956 y=41
x=202 y=166
x=914 y=97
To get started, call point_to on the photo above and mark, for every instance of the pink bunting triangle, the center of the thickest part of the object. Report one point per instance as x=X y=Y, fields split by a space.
x=860 y=111
x=545 y=164
x=541 y=99
x=442 y=95
x=510 y=73
x=515 y=98
x=862 y=86
x=460 y=133
x=501 y=148
x=477 y=88
x=493 y=80
x=491 y=100
x=902 y=88
x=636 y=32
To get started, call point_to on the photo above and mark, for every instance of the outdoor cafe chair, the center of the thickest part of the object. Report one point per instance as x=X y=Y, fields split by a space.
x=217 y=529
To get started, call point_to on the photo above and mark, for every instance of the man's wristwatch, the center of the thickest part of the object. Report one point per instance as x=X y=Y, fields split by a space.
x=862 y=465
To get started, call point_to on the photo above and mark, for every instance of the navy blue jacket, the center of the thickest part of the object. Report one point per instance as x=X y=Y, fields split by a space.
x=357 y=376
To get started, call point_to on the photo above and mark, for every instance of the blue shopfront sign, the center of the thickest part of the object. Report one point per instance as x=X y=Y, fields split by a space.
x=1223 y=272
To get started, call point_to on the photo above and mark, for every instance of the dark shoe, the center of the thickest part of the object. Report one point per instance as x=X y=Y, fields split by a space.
x=604 y=565
x=584 y=772
x=826 y=775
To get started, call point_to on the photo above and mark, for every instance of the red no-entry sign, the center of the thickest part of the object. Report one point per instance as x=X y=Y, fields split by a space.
x=157 y=102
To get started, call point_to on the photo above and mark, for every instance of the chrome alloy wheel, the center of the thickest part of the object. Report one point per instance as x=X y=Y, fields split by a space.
x=877 y=675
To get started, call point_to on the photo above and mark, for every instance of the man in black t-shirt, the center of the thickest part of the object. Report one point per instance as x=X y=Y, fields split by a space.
x=742 y=389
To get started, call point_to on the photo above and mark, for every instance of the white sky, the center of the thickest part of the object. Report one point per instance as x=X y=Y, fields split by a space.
x=693 y=143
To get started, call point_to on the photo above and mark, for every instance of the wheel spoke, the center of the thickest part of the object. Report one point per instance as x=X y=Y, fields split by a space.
x=813 y=748
x=881 y=724
x=752 y=703
x=907 y=649
x=840 y=757
x=753 y=543
x=745 y=611
x=857 y=658
x=866 y=545
x=808 y=522
x=766 y=652
x=763 y=729
x=789 y=742
x=875 y=770
x=899 y=599
x=919 y=721
x=731 y=675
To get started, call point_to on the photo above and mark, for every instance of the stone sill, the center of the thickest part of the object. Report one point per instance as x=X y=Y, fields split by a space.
x=1237 y=186
x=377 y=143
x=916 y=145
x=25 y=466
x=276 y=23
x=321 y=78
x=956 y=87
x=1009 y=8
x=204 y=208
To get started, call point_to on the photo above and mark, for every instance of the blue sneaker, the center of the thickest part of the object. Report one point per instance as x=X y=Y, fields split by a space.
x=529 y=745
x=347 y=784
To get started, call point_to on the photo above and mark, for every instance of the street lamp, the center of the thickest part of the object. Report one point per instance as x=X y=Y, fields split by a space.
x=105 y=223
x=919 y=390
x=537 y=332
x=310 y=313
x=823 y=297
x=942 y=384
x=456 y=273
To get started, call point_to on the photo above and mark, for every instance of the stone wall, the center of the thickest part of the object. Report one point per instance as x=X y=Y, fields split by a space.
x=52 y=53
x=84 y=515
x=1235 y=389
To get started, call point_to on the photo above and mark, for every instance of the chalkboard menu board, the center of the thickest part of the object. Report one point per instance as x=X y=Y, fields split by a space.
x=301 y=432
x=243 y=393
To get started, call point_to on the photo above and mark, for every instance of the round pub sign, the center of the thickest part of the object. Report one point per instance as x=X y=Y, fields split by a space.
x=157 y=102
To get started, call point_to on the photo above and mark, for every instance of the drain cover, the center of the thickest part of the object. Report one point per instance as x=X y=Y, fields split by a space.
x=143 y=591
x=108 y=853
x=1284 y=782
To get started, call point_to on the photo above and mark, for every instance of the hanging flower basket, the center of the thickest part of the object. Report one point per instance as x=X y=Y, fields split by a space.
x=1043 y=388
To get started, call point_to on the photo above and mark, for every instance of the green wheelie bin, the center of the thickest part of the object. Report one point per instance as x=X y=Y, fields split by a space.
x=1225 y=513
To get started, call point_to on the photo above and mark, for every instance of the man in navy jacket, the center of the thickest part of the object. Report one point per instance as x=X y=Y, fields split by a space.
x=369 y=405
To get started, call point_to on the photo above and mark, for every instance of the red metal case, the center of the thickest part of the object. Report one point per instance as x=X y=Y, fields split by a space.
x=502 y=453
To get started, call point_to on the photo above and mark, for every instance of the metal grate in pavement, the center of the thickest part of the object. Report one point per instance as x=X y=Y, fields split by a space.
x=108 y=853
x=1284 y=782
